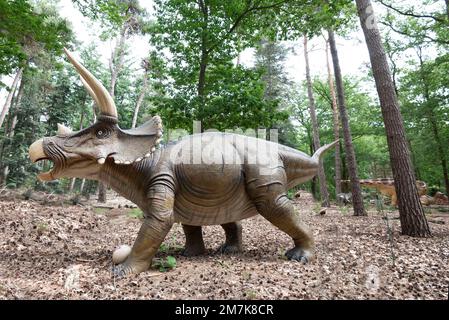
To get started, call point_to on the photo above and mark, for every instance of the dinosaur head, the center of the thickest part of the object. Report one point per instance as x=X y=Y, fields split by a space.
x=83 y=154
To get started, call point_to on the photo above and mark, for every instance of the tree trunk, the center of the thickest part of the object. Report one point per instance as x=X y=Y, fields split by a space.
x=413 y=220
x=204 y=59
x=433 y=122
x=9 y=132
x=140 y=98
x=115 y=66
x=313 y=181
x=116 y=62
x=7 y=104
x=336 y=125
x=72 y=182
x=447 y=9
x=83 y=182
x=357 y=199
x=72 y=185
x=412 y=154
x=315 y=132
x=202 y=75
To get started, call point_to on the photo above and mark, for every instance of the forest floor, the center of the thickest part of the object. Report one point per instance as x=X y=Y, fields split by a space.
x=64 y=252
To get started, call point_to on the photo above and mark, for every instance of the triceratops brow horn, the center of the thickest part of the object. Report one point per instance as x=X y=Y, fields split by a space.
x=98 y=91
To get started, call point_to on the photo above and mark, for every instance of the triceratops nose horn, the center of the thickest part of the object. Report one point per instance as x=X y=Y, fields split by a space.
x=95 y=88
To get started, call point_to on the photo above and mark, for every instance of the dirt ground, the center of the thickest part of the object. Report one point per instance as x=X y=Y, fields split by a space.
x=64 y=252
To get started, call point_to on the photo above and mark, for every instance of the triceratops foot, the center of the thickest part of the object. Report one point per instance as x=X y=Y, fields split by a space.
x=299 y=254
x=229 y=248
x=124 y=269
x=192 y=251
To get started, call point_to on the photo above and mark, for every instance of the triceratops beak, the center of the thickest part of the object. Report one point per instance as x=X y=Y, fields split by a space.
x=36 y=151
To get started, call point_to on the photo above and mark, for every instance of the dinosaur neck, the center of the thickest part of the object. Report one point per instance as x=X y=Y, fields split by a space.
x=130 y=181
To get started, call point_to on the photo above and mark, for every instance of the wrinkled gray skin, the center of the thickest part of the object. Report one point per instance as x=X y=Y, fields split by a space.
x=169 y=188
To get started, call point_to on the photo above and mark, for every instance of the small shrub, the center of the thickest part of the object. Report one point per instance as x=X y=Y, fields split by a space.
x=166 y=264
x=135 y=213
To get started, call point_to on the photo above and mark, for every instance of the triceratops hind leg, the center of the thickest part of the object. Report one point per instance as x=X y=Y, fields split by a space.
x=194 y=241
x=233 y=243
x=269 y=195
x=282 y=214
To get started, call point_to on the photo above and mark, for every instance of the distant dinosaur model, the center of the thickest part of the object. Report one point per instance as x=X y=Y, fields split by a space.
x=441 y=198
x=438 y=199
x=386 y=187
x=203 y=179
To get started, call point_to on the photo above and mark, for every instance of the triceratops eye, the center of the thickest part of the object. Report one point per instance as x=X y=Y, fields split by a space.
x=102 y=133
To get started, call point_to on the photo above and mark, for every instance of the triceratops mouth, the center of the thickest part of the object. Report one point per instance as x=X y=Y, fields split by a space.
x=40 y=152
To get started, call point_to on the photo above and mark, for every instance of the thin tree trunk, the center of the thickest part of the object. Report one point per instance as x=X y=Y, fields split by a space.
x=336 y=125
x=116 y=62
x=115 y=66
x=7 y=104
x=313 y=181
x=447 y=8
x=433 y=123
x=9 y=132
x=411 y=214
x=140 y=98
x=73 y=181
x=204 y=59
x=357 y=199
x=316 y=135
x=72 y=185
x=83 y=182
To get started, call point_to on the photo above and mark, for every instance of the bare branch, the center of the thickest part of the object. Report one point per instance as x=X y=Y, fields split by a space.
x=239 y=19
x=410 y=13
x=425 y=36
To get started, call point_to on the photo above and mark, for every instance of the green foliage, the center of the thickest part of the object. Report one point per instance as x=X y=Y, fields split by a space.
x=206 y=37
x=26 y=31
x=425 y=105
x=166 y=264
x=112 y=14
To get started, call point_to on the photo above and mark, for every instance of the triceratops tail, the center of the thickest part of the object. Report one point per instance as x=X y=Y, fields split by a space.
x=321 y=151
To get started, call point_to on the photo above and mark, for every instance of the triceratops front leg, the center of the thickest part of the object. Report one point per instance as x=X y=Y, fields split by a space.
x=156 y=224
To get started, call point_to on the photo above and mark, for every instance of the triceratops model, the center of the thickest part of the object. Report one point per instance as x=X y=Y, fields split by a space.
x=202 y=179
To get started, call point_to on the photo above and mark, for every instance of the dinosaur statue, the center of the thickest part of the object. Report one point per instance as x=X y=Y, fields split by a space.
x=438 y=199
x=386 y=187
x=203 y=179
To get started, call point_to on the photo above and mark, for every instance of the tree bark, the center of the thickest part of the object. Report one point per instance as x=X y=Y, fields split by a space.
x=413 y=220
x=141 y=96
x=8 y=101
x=336 y=125
x=315 y=132
x=357 y=199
